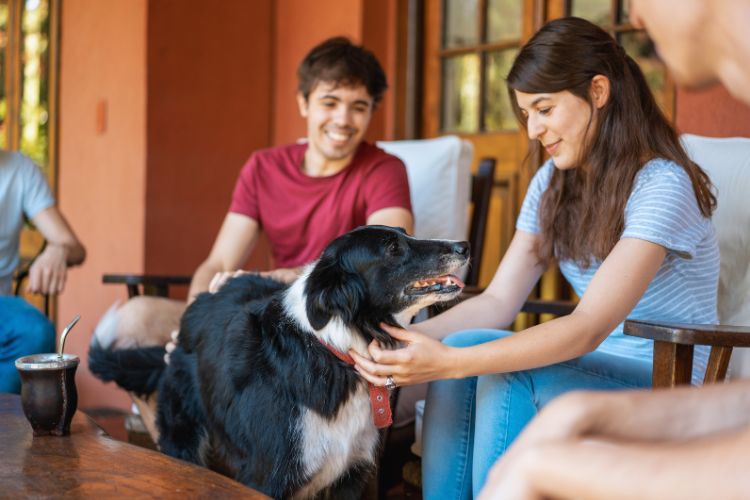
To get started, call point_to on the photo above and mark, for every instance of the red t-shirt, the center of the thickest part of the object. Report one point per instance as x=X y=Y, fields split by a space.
x=302 y=214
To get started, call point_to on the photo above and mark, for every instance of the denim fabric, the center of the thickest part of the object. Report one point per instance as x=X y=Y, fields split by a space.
x=23 y=331
x=469 y=423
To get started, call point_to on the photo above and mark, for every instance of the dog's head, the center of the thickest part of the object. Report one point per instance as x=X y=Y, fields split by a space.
x=375 y=273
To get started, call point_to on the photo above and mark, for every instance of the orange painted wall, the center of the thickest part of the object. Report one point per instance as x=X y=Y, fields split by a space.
x=712 y=112
x=101 y=182
x=209 y=108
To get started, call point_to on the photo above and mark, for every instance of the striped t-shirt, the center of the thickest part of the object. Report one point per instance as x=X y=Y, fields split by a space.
x=662 y=208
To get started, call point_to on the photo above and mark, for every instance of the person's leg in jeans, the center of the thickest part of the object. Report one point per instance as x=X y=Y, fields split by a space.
x=448 y=427
x=23 y=331
x=506 y=402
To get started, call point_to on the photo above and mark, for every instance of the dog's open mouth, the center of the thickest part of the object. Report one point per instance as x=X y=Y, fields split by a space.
x=447 y=283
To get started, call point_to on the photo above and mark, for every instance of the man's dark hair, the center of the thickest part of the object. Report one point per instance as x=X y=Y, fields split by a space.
x=338 y=60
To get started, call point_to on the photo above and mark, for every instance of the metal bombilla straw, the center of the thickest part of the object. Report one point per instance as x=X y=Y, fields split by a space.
x=65 y=334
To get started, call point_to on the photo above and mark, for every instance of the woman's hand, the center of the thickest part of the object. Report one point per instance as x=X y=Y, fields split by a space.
x=422 y=359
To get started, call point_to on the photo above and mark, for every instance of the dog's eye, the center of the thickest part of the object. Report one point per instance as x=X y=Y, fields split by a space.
x=394 y=249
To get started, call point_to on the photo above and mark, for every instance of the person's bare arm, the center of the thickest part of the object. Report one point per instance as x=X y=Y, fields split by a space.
x=714 y=466
x=666 y=414
x=394 y=217
x=49 y=271
x=614 y=290
x=236 y=239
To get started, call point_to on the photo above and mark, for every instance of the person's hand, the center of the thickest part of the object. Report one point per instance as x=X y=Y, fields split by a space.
x=570 y=416
x=283 y=274
x=171 y=345
x=49 y=271
x=221 y=278
x=510 y=478
x=566 y=418
x=422 y=359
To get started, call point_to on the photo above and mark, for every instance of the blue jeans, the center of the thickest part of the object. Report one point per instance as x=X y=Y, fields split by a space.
x=23 y=331
x=492 y=410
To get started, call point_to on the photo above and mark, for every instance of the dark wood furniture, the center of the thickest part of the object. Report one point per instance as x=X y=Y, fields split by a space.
x=88 y=463
x=481 y=194
x=674 y=346
x=157 y=285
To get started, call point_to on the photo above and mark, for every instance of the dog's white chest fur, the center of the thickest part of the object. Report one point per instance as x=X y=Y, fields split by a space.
x=331 y=446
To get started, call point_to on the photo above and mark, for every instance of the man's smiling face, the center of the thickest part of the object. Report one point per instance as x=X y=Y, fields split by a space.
x=337 y=119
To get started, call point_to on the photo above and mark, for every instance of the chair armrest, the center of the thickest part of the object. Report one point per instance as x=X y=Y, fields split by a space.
x=687 y=334
x=152 y=284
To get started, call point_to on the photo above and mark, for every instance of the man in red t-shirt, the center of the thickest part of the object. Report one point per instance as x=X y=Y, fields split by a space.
x=301 y=195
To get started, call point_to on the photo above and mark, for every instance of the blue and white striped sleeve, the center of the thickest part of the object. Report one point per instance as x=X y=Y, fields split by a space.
x=663 y=209
x=528 y=218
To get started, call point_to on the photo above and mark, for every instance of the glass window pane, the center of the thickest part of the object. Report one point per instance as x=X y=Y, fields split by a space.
x=504 y=20
x=35 y=81
x=498 y=114
x=596 y=11
x=461 y=23
x=639 y=47
x=3 y=72
x=460 y=99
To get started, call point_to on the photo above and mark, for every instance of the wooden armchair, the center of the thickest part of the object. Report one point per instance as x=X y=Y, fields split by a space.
x=727 y=162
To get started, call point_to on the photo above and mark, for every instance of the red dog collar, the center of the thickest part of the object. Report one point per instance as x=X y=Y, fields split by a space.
x=379 y=398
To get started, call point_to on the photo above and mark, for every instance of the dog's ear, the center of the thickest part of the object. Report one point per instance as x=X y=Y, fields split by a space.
x=332 y=291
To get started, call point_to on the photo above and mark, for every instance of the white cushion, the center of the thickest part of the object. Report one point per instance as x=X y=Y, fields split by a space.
x=727 y=162
x=439 y=173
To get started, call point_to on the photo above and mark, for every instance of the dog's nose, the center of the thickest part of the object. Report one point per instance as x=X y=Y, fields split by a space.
x=461 y=248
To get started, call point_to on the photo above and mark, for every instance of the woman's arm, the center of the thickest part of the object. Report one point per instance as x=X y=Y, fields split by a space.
x=613 y=292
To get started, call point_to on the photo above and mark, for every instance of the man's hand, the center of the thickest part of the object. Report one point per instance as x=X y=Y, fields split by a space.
x=283 y=274
x=171 y=345
x=221 y=278
x=49 y=271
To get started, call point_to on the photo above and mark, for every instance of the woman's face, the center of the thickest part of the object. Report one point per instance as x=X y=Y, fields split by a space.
x=560 y=121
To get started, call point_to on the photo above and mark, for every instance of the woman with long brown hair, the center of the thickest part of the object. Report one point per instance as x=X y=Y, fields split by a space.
x=626 y=215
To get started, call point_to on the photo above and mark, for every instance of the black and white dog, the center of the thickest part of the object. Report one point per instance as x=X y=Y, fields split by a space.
x=256 y=388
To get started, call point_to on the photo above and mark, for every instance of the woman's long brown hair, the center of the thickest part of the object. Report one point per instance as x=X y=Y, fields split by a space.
x=582 y=211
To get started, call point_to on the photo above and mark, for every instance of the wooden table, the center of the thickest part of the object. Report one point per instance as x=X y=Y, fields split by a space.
x=88 y=463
